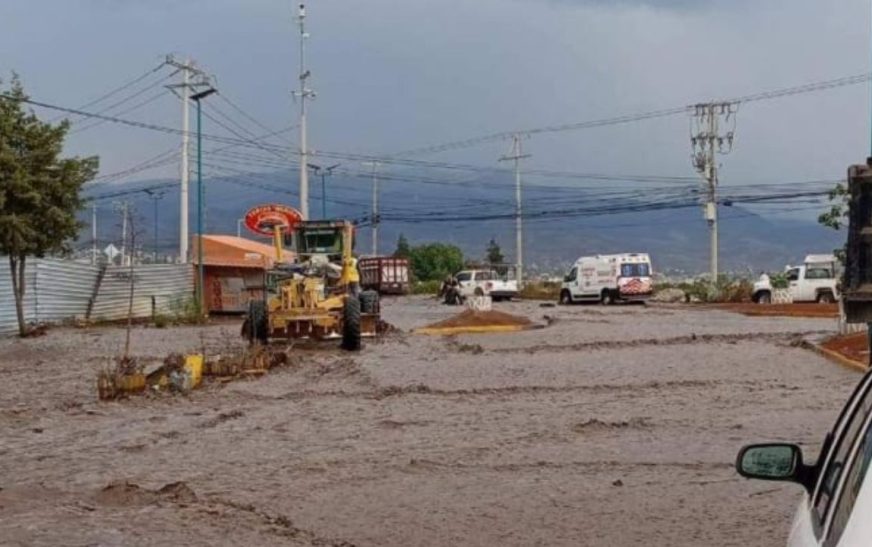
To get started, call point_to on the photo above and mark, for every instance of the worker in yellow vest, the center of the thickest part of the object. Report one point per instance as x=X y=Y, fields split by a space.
x=351 y=276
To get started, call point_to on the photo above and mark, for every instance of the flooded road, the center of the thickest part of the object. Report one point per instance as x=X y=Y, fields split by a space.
x=614 y=426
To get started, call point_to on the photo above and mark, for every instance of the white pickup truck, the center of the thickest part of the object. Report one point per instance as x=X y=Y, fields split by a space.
x=486 y=283
x=815 y=281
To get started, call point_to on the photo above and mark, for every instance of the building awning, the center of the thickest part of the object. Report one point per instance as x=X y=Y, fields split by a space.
x=236 y=252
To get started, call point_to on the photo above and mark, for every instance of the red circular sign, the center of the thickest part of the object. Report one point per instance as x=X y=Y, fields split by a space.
x=263 y=219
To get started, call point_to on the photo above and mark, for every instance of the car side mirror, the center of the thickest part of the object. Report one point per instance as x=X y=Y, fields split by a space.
x=771 y=462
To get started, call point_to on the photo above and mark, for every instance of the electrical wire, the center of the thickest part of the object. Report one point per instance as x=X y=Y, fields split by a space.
x=117 y=90
x=630 y=118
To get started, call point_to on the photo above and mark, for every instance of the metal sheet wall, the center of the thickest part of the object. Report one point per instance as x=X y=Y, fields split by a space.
x=157 y=287
x=61 y=289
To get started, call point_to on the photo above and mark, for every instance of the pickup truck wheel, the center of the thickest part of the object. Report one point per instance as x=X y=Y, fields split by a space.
x=607 y=298
x=764 y=298
x=565 y=298
x=826 y=297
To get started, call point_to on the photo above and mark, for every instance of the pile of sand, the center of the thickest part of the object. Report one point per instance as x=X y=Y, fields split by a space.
x=471 y=318
x=852 y=346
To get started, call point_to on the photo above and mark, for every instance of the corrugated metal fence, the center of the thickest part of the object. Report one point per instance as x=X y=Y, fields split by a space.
x=62 y=289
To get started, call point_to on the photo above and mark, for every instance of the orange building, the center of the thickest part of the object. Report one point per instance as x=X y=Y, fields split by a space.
x=234 y=269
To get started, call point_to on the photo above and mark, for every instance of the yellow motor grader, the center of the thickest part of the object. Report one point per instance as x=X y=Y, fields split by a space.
x=316 y=296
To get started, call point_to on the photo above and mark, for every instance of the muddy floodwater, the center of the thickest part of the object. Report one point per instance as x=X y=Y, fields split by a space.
x=614 y=426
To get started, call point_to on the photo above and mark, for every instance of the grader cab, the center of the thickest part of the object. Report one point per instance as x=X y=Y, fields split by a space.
x=317 y=296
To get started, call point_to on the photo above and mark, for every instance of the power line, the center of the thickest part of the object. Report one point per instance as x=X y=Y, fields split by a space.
x=244 y=114
x=160 y=160
x=137 y=106
x=630 y=118
x=131 y=123
x=117 y=90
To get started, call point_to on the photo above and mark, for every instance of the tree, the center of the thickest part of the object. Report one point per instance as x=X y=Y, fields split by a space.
x=39 y=190
x=403 y=248
x=435 y=261
x=837 y=216
x=494 y=253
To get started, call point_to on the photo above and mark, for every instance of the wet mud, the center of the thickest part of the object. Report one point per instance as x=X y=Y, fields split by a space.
x=614 y=426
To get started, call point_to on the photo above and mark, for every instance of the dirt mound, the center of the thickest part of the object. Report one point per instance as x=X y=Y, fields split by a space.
x=852 y=346
x=783 y=310
x=125 y=494
x=596 y=425
x=471 y=318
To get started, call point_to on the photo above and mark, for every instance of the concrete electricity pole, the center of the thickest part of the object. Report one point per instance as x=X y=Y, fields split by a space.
x=155 y=195
x=94 y=233
x=516 y=156
x=187 y=69
x=375 y=216
x=707 y=143
x=303 y=94
x=125 y=206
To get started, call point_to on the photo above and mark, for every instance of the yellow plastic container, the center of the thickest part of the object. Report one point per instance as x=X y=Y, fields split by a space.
x=194 y=368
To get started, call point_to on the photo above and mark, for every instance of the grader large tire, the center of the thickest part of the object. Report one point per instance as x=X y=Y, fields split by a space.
x=351 y=324
x=257 y=322
x=369 y=302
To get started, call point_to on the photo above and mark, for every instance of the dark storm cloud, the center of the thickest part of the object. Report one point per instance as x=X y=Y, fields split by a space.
x=657 y=4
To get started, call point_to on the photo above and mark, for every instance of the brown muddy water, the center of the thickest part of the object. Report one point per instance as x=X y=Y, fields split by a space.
x=611 y=426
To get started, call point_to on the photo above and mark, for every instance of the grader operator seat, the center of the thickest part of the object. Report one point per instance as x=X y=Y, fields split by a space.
x=319 y=239
x=326 y=246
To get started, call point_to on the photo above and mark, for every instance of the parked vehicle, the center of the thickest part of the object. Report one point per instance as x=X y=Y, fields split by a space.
x=838 y=488
x=385 y=274
x=609 y=279
x=815 y=281
x=487 y=283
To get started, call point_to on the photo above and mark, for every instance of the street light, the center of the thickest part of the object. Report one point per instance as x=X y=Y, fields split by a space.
x=324 y=172
x=197 y=98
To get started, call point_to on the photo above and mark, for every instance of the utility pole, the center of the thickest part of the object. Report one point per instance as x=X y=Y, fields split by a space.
x=323 y=172
x=93 y=233
x=376 y=219
x=155 y=195
x=303 y=94
x=707 y=142
x=188 y=69
x=124 y=215
x=516 y=156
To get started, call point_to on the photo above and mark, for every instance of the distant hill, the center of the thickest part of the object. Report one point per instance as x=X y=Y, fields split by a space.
x=677 y=239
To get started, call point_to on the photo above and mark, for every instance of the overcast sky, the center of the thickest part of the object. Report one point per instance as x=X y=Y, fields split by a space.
x=393 y=74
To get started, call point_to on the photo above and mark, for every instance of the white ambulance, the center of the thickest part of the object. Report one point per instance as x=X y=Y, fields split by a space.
x=608 y=279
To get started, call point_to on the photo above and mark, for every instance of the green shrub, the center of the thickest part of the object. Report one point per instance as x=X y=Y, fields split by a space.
x=726 y=290
x=161 y=321
x=779 y=281
x=541 y=290
x=185 y=311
